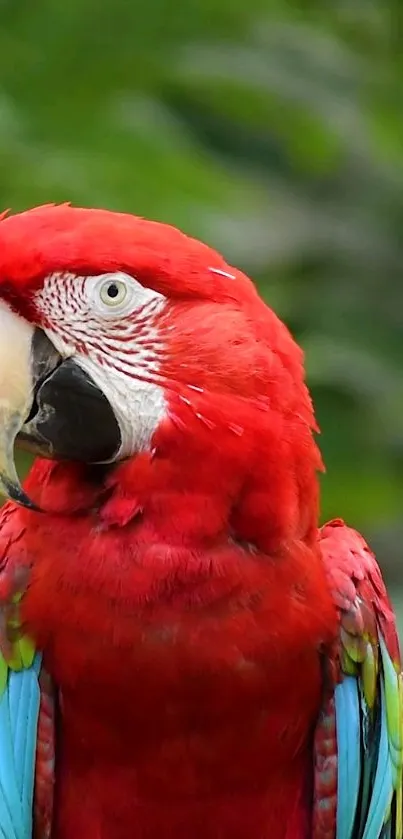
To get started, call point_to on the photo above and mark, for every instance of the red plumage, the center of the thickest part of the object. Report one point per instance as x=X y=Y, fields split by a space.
x=180 y=597
x=190 y=678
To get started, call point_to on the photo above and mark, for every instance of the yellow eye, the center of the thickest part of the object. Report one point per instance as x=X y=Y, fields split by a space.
x=113 y=292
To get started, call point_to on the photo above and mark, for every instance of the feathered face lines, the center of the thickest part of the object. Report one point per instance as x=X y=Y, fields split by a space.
x=123 y=337
x=146 y=337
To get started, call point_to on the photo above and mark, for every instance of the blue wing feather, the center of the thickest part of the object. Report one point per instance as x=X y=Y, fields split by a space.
x=10 y=795
x=19 y=690
x=348 y=725
x=383 y=790
x=29 y=719
x=19 y=714
x=349 y=755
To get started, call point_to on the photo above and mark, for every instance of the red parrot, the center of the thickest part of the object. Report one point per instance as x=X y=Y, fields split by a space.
x=185 y=654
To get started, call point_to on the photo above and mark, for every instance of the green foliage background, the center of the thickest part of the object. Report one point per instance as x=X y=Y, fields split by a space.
x=273 y=130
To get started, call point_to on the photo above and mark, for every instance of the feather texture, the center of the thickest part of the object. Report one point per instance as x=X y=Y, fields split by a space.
x=21 y=700
x=367 y=754
x=19 y=710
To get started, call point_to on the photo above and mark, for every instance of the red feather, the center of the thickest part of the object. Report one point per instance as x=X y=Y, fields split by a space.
x=178 y=714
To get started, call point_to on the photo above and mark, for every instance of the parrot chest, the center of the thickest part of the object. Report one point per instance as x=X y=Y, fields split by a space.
x=188 y=694
x=211 y=751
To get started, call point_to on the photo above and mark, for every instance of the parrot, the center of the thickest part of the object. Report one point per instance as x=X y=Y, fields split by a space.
x=185 y=651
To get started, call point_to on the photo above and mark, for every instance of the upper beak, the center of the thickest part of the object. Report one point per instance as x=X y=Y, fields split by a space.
x=48 y=405
x=16 y=396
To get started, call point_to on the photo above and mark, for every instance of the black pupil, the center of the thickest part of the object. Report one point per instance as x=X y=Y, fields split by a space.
x=113 y=290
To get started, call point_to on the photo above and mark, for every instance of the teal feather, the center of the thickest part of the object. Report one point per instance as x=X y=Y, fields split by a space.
x=383 y=783
x=370 y=742
x=349 y=755
x=30 y=721
x=18 y=695
x=19 y=712
x=10 y=800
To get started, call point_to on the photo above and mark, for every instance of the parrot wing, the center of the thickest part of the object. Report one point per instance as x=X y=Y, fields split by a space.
x=26 y=703
x=359 y=736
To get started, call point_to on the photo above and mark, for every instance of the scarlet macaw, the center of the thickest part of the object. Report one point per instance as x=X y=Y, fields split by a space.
x=184 y=653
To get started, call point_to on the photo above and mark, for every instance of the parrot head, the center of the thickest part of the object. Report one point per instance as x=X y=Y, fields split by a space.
x=120 y=336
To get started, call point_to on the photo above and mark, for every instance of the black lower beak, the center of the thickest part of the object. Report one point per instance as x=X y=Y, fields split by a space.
x=70 y=419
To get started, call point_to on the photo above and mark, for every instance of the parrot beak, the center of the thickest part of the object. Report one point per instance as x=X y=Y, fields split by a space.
x=48 y=405
x=15 y=397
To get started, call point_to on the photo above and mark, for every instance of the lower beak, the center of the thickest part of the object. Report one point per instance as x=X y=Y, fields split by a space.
x=48 y=405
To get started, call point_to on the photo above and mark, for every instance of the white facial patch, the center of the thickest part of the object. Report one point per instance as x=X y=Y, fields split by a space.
x=109 y=324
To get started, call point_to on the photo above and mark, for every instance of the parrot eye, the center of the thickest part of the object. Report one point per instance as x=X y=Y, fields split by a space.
x=116 y=294
x=113 y=292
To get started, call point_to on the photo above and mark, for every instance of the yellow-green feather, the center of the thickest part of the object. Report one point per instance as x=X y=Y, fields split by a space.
x=369 y=675
x=22 y=651
x=3 y=674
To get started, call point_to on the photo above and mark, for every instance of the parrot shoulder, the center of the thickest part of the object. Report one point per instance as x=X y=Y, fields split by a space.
x=26 y=701
x=359 y=735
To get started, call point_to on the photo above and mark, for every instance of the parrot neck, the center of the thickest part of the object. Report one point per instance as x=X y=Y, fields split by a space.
x=187 y=497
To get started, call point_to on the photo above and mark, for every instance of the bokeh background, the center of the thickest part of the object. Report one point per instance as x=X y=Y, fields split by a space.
x=272 y=130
